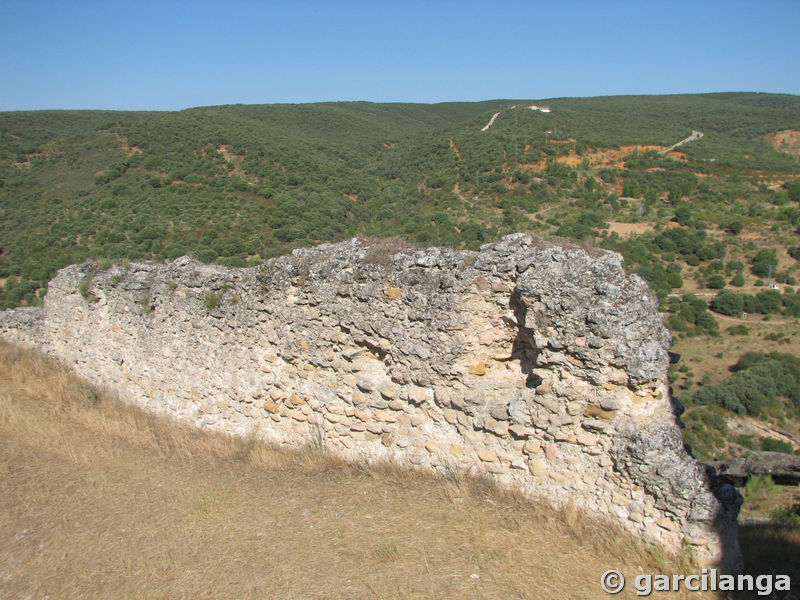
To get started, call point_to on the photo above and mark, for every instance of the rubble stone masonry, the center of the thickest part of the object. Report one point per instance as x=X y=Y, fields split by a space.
x=541 y=366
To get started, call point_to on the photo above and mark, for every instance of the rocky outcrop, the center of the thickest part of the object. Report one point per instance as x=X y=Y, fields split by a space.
x=542 y=367
x=783 y=468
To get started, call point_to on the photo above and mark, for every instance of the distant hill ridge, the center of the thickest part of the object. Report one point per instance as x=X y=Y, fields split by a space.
x=236 y=184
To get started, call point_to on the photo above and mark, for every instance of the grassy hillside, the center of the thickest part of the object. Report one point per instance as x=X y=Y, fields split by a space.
x=708 y=225
x=101 y=500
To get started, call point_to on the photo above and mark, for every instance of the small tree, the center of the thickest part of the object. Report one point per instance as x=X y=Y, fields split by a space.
x=763 y=261
x=735 y=226
x=716 y=282
x=707 y=321
x=768 y=301
x=793 y=190
x=727 y=303
x=683 y=215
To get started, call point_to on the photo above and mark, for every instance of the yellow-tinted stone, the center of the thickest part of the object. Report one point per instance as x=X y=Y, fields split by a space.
x=456 y=450
x=479 y=368
x=393 y=293
x=296 y=400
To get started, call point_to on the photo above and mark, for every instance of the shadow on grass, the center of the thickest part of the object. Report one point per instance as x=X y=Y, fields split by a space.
x=771 y=549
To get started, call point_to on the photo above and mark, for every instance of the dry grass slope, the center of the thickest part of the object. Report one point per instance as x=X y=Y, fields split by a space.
x=99 y=500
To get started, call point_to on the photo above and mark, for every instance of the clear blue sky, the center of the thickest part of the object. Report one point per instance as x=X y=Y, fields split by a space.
x=169 y=55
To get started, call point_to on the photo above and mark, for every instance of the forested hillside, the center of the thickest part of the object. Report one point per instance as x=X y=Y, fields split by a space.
x=712 y=224
x=238 y=183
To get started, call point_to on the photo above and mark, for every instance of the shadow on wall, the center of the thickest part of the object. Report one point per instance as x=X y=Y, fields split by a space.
x=523 y=348
x=730 y=502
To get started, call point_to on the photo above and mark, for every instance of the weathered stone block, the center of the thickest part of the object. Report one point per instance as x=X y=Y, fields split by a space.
x=537 y=467
x=487 y=455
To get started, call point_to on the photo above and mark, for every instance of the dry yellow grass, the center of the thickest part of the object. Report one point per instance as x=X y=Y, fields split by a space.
x=99 y=500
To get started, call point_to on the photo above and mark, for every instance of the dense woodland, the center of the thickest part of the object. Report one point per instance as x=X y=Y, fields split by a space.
x=712 y=226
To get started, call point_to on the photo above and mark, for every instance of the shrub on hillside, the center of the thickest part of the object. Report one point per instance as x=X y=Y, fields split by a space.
x=706 y=321
x=690 y=314
x=793 y=190
x=716 y=282
x=738 y=280
x=776 y=445
x=728 y=303
x=758 y=381
x=735 y=227
x=738 y=330
x=734 y=265
x=768 y=301
x=792 y=304
x=762 y=262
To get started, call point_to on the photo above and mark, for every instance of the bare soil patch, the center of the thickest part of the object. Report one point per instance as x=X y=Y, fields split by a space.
x=787 y=140
x=455 y=148
x=225 y=151
x=572 y=159
x=612 y=157
x=626 y=230
x=678 y=155
x=537 y=166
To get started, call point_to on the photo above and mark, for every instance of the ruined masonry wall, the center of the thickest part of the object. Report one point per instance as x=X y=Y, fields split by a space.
x=543 y=367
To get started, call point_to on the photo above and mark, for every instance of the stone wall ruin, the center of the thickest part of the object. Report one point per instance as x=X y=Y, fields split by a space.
x=541 y=366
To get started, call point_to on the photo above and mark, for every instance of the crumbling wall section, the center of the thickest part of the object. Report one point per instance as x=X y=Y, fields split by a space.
x=541 y=366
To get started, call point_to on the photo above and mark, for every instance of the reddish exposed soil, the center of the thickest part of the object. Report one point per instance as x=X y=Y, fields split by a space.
x=787 y=140
x=455 y=148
